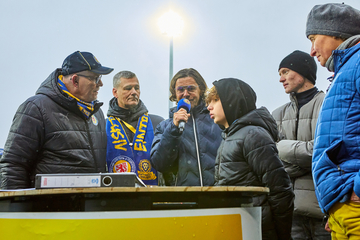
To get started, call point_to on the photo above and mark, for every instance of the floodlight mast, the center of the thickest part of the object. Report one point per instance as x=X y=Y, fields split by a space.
x=172 y=25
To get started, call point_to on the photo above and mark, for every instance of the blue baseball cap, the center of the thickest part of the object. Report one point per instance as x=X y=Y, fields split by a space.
x=83 y=61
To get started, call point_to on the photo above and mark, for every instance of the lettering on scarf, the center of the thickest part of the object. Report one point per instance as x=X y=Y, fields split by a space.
x=139 y=144
x=115 y=133
x=121 y=156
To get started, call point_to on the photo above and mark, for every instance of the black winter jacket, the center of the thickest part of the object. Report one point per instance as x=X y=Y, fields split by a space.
x=190 y=156
x=49 y=134
x=248 y=157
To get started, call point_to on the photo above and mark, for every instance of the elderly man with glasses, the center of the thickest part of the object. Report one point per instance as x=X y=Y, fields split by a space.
x=186 y=156
x=61 y=129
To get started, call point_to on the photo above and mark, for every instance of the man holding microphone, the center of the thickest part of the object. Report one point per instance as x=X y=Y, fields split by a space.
x=187 y=157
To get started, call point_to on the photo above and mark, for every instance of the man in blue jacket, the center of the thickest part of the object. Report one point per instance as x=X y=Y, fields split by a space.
x=334 y=31
x=187 y=158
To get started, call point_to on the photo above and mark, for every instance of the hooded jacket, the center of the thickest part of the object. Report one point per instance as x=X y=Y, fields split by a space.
x=188 y=156
x=248 y=156
x=297 y=130
x=336 y=158
x=49 y=134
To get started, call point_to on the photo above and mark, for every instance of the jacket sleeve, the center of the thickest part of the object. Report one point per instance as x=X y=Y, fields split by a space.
x=296 y=155
x=261 y=154
x=22 y=147
x=165 y=147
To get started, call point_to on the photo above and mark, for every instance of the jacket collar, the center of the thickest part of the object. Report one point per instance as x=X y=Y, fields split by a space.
x=342 y=53
x=200 y=108
x=128 y=115
x=259 y=117
x=50 y=88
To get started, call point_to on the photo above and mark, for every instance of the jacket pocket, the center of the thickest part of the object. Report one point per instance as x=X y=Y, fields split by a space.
x=328 y=176
x=334 y=151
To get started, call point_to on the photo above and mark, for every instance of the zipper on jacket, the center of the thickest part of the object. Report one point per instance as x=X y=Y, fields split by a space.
x=297 y=118
x=220 y=154
x=197 y=151
x=297 y=125
x=91 y=145
x=340 y=170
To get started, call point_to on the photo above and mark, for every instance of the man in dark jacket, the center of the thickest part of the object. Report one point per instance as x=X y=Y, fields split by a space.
x=187 y=158
x=296 y=123
x=248 y=156
x=130 y=130
x=59 y=130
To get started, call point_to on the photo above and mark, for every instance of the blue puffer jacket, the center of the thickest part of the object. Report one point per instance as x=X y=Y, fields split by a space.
x=190 y=156
x=336 y=157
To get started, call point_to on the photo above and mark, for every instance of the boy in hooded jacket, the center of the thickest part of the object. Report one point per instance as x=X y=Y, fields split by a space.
x=248 y=155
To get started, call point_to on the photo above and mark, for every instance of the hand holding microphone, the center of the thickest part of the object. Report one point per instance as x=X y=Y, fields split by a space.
x=181 y=116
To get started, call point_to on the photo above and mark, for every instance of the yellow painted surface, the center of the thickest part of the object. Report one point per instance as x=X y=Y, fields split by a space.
x=196 y=227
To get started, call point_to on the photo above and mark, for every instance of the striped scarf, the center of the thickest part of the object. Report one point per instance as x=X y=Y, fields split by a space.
x=85 y=108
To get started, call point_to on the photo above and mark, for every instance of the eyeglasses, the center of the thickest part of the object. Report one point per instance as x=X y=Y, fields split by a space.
x=95 y=79
x=190 y=88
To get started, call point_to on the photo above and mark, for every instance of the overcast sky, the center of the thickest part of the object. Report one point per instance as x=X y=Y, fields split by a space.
x=221 y=38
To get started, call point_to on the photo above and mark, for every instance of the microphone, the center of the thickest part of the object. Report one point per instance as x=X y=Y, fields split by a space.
x=185 y=104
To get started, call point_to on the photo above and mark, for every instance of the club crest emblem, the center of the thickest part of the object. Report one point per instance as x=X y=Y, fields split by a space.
x=144 y=172
x=122 y=164
x=94 y=120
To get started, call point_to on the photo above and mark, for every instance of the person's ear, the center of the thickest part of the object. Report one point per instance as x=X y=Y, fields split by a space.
x=75 y=80
x=114 y=91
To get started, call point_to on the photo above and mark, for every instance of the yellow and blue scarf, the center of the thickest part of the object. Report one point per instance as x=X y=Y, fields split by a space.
x=123 y=156
x=85 y=108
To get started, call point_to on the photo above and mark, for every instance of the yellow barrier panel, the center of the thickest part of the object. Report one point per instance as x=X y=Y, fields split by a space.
x=227 y=223
x=209 y=227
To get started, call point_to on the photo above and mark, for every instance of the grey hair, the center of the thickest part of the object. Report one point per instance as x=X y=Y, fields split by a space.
x=122 y=74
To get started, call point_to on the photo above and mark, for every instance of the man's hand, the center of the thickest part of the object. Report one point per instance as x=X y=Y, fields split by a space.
x=180 y=115
x=327 y=228
x=354 y=197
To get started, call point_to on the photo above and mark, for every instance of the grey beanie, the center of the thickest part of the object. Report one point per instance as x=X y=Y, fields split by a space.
x=333 y=19
x=301 y=63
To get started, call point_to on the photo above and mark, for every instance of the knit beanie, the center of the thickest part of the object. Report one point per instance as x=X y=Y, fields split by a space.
x=301 y=63
x=333 y=19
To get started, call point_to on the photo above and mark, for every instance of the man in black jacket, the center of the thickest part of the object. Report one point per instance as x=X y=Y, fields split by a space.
x=248 y=156
x=61 y=129
x=130 y=130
